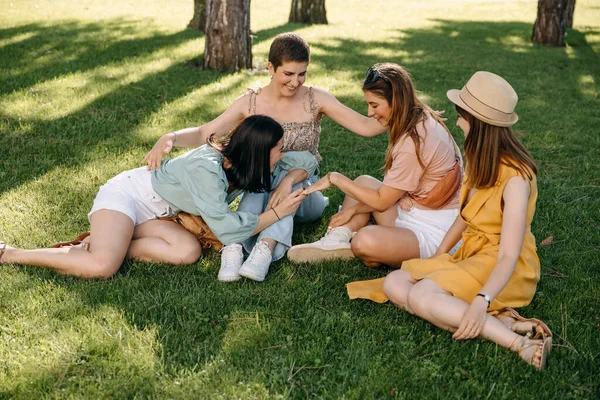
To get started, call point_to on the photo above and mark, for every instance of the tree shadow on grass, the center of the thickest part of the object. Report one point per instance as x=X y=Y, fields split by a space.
x=40 y=52
x=308 y=329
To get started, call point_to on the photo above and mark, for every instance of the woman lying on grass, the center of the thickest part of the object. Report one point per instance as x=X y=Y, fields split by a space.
x=417 y=201
x=299 y=109
x=123 y=219
x=497 y=266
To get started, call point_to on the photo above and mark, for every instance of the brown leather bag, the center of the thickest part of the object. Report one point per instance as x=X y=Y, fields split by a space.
x=197 y=227
x=444 y=191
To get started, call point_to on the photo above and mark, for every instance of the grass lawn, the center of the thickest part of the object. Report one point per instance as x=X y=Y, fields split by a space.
x=87 y=86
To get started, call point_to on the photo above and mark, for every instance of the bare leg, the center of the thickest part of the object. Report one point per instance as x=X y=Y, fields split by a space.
x=164 y=241
x=360 y=220
x=384 y=243
x=432 y=303
x=110 y=235
x=396 y=287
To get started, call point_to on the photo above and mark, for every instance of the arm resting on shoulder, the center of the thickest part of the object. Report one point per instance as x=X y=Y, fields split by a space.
x=347 y=117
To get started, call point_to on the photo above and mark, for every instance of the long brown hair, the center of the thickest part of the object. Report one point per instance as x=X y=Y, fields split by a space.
x=395 y=84
x=487 y=147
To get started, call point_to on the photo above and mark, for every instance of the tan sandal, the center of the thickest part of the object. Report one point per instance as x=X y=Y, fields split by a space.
x=512 y=319
x=2 y=249
x=77 y=242
x=527 y=348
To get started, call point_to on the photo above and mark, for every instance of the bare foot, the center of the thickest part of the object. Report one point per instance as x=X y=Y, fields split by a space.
x=532 y=351
x=4 y=251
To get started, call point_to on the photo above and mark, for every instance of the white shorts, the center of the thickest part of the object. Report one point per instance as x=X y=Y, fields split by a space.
x=430 y=227
x=131 y=193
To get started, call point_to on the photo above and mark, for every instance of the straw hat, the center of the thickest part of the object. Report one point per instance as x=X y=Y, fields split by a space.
x=488 y=97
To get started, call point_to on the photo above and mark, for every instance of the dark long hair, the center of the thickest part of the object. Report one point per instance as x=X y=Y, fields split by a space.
x=395 y=84
x=487 y=147
x=248 y=148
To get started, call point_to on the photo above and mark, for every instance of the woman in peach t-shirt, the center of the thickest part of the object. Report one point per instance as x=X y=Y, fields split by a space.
x=417 y=201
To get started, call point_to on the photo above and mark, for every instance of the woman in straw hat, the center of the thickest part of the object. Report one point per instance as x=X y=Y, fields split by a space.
x=497 y=266
x=418 y=199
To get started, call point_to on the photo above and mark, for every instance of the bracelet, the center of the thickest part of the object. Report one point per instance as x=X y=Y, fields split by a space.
x=277 y=215
x=329 y=179
x=174 y=137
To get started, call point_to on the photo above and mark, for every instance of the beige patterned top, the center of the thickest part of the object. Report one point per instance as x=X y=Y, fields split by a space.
x=297 y=136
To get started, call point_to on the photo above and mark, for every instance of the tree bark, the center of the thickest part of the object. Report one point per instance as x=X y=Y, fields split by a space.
x=198 y=21
x=308 y=12
x=551 y=23
x=228 y=44
x=570 y=12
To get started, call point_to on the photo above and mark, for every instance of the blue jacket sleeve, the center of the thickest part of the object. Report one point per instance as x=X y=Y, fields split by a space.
x=209 y=194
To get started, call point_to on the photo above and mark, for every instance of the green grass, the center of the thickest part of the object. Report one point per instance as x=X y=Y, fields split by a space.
x=86 y=87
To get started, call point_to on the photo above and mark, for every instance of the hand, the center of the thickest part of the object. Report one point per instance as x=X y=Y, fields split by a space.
x=472 y=322
x=281 y=191
x=341 y=218
x=163 y=146
x=321 y=184
x=290 y=203
x=439 y=114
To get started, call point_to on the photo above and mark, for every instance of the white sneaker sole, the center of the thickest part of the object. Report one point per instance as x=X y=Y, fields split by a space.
x=307 y=254
x=251 y=275
x=228 y=278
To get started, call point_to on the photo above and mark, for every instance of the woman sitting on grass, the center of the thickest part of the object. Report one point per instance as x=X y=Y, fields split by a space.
x=497 y=265
x=417 y=201
x=299 y=109
x=123 y=219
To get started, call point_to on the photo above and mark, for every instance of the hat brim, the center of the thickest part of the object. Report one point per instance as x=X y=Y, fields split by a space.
x=453 y=96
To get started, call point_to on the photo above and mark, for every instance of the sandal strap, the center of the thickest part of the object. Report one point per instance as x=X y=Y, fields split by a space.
x=2 y=249
x=73 y=242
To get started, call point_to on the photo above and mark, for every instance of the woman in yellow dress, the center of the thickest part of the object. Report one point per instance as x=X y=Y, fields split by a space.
x=497 y=266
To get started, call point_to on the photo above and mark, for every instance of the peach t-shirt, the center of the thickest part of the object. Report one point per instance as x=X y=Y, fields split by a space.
x=438 y=155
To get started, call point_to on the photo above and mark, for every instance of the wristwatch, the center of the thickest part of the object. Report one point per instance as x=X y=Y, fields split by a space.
x=486 y=297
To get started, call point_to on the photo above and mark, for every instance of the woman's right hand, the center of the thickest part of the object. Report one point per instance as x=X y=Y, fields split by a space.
x=163 y=146
x=341 y=218
x=290 y=203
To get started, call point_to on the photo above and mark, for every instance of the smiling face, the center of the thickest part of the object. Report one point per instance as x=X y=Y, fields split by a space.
x=289 y=77
x=378 y=108
x=276 y=154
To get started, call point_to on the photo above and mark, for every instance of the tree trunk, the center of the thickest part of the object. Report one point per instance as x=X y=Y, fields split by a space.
x=198 y=21
x=551 y=23
x=308 y=12
x=228 y=44
x=570 y=12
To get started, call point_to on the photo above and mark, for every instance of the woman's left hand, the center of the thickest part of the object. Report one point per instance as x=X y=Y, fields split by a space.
x=281 y=192
x=472 y=322
x=321 y=184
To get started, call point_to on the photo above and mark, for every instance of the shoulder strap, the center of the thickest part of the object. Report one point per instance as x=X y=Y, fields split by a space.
x=311 y=101
x=252 y=100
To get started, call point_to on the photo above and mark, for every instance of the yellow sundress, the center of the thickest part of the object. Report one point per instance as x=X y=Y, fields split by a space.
x=465 y=273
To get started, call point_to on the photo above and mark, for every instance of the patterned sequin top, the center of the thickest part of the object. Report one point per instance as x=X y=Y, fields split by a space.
x=297 y=136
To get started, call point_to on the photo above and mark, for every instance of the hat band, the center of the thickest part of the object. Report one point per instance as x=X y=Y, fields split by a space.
x=483 y=109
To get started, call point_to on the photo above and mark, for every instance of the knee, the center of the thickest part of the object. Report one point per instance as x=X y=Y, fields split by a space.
x=186 y=253
x=394 y=289
x=362 y=244
x=103 y=267
x=363 y=180
x=419 y=296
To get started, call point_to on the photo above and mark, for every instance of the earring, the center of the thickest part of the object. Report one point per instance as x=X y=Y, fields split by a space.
x=271 y=77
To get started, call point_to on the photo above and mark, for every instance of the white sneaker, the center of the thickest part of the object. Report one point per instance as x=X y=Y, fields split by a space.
x=335 y=245
x=257 y=264
x=232 y=257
